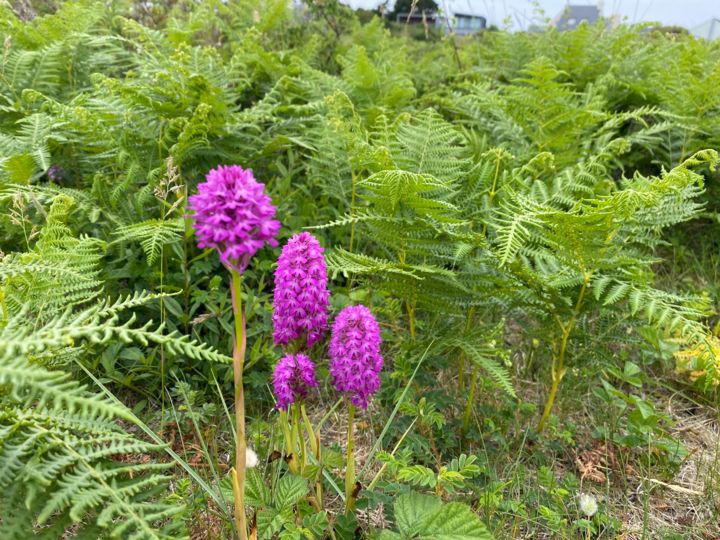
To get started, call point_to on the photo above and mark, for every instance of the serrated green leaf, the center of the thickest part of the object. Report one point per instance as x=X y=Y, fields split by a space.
x=418 y=475
x=270 y=522
x=454 y=521
x=423 y=517
x=411 y=509
x=344 y=527
x=290 y=489
x=316 y=524
x=257 y=493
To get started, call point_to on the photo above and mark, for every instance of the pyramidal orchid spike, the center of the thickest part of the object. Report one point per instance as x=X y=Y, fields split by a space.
x=233 y=214
x=301 y=294
x=293 y=377
x=355 y=359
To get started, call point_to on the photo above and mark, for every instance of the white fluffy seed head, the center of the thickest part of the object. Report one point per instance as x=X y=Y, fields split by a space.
x=588 y=504
x=251 y=459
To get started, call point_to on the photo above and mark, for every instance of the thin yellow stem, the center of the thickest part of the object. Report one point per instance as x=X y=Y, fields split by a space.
x=558 y=365
x=395 y=449
x=240 y=445
x=550 y=400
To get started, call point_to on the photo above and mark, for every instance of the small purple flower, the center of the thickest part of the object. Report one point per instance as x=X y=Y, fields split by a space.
x=55 y=173
x=233 y=214
x=355 y=359
x=301 y=294
x=294 y=375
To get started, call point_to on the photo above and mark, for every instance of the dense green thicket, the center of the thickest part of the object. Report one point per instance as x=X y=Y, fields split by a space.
x=502 y=201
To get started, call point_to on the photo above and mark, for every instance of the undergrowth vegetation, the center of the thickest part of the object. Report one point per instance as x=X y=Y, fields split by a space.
x=532 y=219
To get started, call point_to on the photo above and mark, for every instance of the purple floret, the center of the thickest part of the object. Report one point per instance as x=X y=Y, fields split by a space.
x=55 y=173
x=301 y=295
x=233 y=214
x=355 y=359
x=294 y=375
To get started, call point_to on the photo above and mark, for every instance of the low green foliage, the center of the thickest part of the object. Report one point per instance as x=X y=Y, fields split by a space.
x=424 y=517
x=526 y=214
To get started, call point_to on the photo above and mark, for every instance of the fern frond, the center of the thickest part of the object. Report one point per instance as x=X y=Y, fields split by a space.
x=487 y=362
x=428 y=145
x=398 y=191
x=340 y=261
x=152 y=235
x=61 y=270
x=76 y=458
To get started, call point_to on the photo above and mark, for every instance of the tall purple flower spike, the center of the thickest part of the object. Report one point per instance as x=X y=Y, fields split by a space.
x=233 y=214
x=301 y=295
x=294 y=375
x=355 y=359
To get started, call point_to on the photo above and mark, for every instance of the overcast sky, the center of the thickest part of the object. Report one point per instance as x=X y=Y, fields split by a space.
x=686 y=13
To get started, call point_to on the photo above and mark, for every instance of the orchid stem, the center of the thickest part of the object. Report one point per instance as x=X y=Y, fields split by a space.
x=240 y=445
x=350 y=466
x=289 y=441
x=300 y=439
x=315 y=447
x=309 y=429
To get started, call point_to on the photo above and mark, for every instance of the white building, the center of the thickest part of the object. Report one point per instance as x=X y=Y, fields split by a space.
x=458 y=23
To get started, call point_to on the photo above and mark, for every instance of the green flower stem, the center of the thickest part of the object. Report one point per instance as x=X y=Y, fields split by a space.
x=300 y=446
x=314 y=437
x=314 y=446
x=350 y=466
x=289 y=437
x=240 y=445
